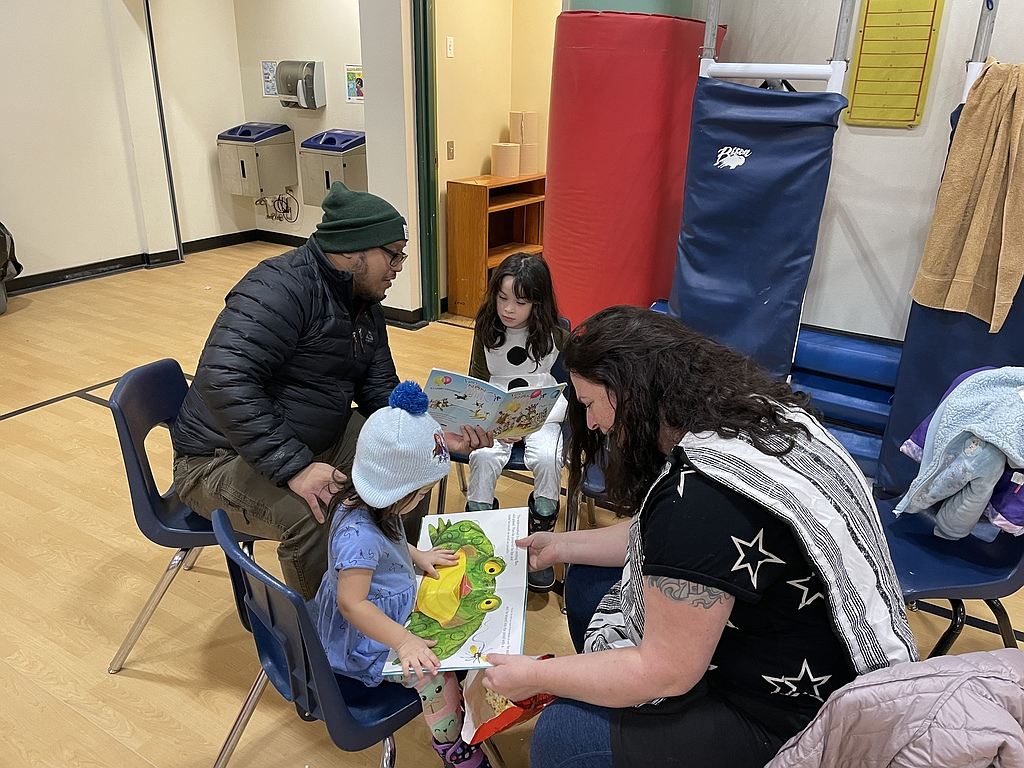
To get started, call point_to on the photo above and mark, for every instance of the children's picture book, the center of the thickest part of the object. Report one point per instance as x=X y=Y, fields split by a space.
x=477 y=606
x=457 y=400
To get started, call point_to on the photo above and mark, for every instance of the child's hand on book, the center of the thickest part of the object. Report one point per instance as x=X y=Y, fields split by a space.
x=417 y=658
x=428 y=560
x=468 y=439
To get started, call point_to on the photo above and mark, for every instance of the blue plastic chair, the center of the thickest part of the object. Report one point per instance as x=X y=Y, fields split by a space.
x=929 y=567
x=293 y=659
x=144 y=398
x=515 y=465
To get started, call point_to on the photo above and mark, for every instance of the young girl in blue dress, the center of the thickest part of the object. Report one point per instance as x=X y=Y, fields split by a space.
x=516 y=340
x=369 y=589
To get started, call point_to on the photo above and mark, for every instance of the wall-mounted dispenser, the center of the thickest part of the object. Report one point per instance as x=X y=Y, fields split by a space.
x=257 y=159
x=334 y=155
x=300 y=84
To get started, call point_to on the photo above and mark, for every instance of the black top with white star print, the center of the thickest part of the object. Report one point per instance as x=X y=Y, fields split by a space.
x=778 y=658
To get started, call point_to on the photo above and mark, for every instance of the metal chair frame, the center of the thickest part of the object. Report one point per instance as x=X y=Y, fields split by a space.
x=143 y=399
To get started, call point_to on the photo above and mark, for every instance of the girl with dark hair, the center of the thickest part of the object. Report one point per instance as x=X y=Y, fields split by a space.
x=516 y=342
x=752 y=580
x=369 y=589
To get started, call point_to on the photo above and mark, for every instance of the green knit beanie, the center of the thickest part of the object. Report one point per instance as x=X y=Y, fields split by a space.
x=357 y=221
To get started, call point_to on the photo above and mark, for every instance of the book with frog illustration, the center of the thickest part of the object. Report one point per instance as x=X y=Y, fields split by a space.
x=457 y=400
x=477 y=606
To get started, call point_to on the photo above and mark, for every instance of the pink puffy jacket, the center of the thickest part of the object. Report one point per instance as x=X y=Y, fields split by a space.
x=951 y=711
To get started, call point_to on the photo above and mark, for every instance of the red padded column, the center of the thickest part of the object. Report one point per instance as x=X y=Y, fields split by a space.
x=621 y=90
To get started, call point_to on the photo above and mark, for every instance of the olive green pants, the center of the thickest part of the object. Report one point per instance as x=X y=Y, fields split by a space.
x=259 y=508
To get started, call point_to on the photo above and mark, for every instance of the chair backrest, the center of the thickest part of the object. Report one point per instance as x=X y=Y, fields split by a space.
x=144 y=398
x=293 y=657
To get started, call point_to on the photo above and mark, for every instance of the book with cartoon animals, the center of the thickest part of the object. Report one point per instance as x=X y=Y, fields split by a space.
x=477 y=606
x=457 y=400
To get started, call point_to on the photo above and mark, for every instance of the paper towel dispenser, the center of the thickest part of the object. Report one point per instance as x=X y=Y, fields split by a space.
x=301 y=85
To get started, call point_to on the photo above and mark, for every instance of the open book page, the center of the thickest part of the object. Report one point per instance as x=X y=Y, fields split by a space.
x=479 y=605
x=457 y=400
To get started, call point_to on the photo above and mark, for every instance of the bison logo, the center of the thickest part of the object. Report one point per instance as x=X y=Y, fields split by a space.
x=731 y=157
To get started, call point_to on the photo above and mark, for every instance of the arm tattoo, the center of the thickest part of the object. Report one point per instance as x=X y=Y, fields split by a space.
x=682 y=591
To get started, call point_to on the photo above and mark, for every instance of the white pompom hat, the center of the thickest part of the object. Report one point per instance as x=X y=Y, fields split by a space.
x=400 y=449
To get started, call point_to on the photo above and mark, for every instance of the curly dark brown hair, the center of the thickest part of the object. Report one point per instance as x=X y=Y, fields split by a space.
x=662 y=375
x=531 y=281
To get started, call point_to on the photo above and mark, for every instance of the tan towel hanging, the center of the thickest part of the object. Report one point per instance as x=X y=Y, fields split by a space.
x=973 y=259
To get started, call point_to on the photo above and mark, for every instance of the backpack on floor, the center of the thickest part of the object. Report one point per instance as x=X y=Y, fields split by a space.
x=9 y=266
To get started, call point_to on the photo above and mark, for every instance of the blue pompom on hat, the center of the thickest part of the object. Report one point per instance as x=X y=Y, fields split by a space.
x=400 y=449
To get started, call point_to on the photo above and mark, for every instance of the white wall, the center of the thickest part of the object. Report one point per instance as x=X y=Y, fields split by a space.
x=533 y=42
x=81 y=175
x=82 y=179
x=325 y=30
x=387 y=43
x=197 y=57
x=884 y=180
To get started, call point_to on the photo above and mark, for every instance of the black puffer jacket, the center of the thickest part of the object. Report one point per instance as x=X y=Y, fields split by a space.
x=285 y=360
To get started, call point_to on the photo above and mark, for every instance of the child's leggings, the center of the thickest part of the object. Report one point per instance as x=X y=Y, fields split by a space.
x=543 y=456
x=442 y=705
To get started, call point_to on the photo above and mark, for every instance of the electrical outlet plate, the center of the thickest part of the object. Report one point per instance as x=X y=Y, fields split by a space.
x=449 y=49
x=451 y=150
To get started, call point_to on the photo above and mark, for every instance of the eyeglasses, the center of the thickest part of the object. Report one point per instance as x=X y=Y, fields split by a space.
x=397 y=259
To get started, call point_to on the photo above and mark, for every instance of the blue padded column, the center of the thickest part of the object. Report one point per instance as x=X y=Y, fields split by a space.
x=756 y=176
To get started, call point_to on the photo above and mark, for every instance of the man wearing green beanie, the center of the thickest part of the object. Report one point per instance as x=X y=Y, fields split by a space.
x=267 y=429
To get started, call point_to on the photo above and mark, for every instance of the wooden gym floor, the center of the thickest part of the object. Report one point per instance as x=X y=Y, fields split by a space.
x=76 y=571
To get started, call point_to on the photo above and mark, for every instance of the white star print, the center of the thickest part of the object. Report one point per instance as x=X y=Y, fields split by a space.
x=810 y=686
x=682 y=481
x=806 y=598
x=746 y=549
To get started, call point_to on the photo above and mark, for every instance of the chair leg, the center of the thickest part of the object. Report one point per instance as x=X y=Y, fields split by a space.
x=148 y=609
x=956 y=626
x=493 y=754
x=193 y=555
x=590 y=513
x=248 y=707
x=572 y=512
x=460 y=469
x=387 y=752
x=1005 y=627
x=442 y=490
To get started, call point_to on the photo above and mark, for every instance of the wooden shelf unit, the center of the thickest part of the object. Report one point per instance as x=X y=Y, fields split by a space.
x=489 y=218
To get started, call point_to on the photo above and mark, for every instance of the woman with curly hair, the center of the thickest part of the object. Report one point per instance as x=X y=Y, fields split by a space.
x=752 y=580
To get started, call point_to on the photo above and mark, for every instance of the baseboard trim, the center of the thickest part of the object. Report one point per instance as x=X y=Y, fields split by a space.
x=279 y=238
x=219 y=241
x=43 y=280
x=410 y=320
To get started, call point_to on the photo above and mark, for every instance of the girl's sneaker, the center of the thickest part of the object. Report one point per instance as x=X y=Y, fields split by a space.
x=461 y=755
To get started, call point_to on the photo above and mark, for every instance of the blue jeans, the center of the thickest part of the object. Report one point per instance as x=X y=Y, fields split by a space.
x=571 y=734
